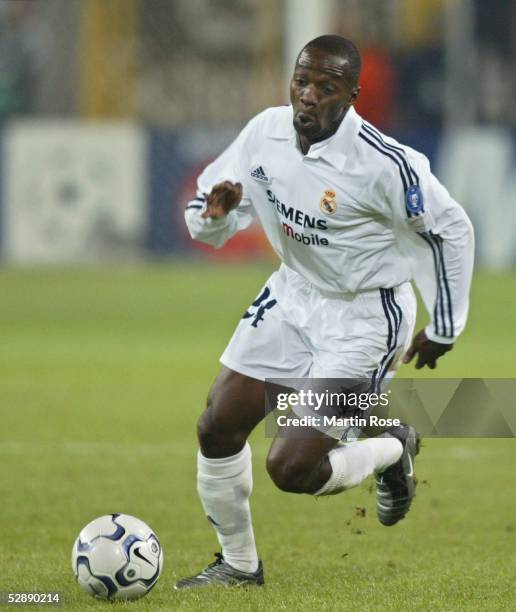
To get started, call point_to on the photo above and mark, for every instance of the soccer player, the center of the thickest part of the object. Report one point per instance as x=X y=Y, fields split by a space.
x=354 y=216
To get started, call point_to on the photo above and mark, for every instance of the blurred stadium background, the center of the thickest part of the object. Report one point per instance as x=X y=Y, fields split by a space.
x=112 y=319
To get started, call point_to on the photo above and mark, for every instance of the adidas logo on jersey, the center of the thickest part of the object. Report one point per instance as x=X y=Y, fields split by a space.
x=259 y=174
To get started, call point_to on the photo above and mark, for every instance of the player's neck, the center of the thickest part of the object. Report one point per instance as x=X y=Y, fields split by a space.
x=305 y=142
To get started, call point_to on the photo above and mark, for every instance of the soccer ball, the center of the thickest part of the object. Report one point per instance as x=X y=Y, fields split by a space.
x=117 y=556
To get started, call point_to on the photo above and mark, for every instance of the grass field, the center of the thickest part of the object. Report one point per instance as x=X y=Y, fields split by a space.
x=102 y=375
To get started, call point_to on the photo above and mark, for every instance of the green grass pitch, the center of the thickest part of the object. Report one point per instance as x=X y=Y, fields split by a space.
x=103 y=372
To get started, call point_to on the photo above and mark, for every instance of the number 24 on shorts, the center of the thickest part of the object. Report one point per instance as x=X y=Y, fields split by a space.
x=263 y=304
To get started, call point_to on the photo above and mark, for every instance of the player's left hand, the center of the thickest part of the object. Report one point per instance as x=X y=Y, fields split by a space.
x=427 y=351
x=223 y=198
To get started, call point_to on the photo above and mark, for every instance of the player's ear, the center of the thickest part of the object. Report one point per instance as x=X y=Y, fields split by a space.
x=354 y=94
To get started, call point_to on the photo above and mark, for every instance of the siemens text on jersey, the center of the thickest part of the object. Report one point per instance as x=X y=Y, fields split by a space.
x=300 y=218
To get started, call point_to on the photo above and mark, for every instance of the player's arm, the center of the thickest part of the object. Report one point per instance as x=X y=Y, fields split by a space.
x=221 y=207
x=441 y=248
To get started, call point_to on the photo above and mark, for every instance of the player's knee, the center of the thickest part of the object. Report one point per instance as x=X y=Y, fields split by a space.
x=211 y=433
x=218 y=436
x=204 y=429
x=288 y=474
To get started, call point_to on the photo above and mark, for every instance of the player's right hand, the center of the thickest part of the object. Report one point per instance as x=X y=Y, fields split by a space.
x=427 y=351
x=223 y=198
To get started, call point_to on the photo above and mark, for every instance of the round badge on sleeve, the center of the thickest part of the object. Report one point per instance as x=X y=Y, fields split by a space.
x=414 y=199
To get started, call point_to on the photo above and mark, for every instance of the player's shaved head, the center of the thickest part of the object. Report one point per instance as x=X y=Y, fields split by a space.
x=340 y=47
x=323 y=87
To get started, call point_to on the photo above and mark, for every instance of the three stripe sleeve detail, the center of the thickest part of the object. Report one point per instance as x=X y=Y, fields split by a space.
x=411 y=175
x=394 y=317
x=196 y=203
x=443 y=310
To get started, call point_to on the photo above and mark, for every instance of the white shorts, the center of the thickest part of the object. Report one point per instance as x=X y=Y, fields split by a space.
x=292 y=330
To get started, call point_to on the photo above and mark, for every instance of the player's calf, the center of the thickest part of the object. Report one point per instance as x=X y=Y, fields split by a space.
x=293 y=477
x=299 y=464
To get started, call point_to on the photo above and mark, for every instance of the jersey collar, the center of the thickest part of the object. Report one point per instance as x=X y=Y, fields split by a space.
x=335 y=149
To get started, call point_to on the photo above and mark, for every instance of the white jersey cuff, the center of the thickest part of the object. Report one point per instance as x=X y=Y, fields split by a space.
x=431 y=335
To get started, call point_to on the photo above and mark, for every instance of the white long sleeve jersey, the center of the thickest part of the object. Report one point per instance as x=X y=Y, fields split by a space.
x=358 y=212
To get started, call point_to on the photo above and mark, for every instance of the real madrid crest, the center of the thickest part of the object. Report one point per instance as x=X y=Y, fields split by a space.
x=328 y=203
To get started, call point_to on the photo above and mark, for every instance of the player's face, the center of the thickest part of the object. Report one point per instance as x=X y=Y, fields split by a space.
x=321 y=91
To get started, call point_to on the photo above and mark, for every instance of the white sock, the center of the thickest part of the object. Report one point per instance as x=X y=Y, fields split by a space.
x=353 y=462
x=224 y=486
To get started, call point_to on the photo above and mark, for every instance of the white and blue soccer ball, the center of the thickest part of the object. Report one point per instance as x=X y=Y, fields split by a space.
x=117 y=556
